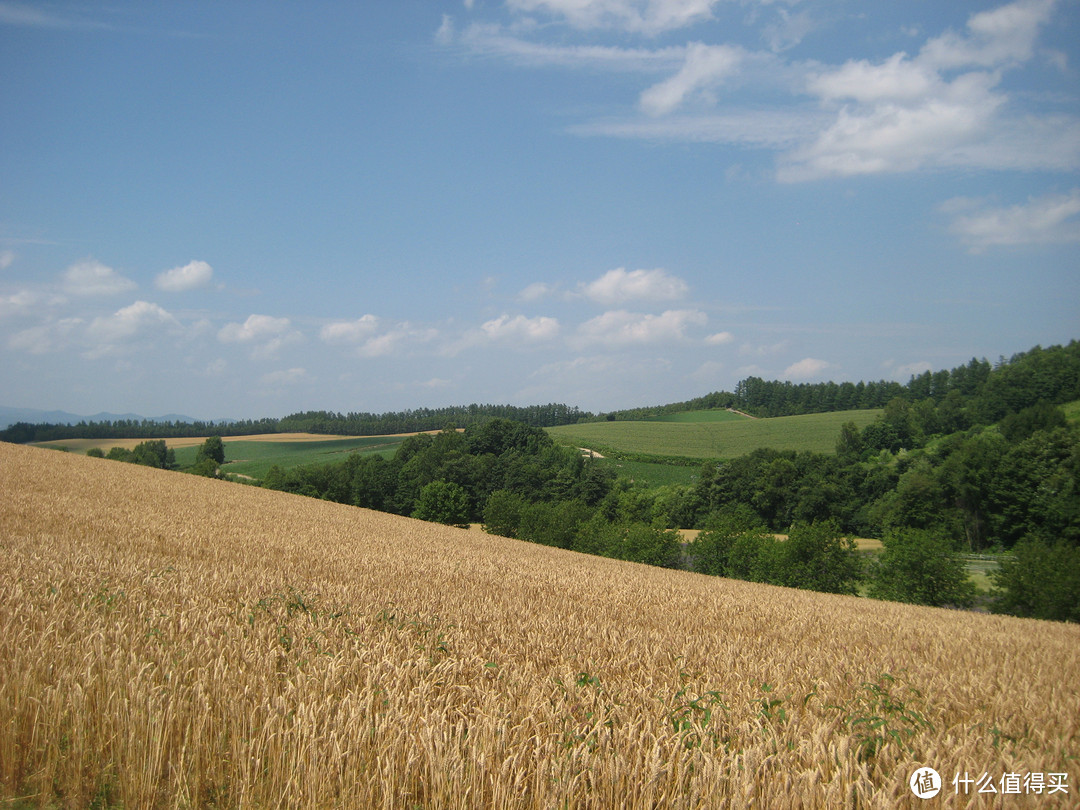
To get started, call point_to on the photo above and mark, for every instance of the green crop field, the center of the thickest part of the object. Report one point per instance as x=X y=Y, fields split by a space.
x=713 y=415
x=717 y=439
x=255 y=458
x=652 y=474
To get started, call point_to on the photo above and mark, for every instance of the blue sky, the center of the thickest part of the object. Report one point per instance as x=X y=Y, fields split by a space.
x=240 y=209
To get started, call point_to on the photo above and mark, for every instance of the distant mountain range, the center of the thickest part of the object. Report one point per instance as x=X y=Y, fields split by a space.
x=9 y=416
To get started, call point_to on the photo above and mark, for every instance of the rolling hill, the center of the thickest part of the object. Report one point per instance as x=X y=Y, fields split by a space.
x=167 y=639
x=698 y=434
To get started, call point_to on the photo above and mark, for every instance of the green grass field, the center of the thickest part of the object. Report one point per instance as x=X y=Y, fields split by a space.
x=254 y=459
x=728 y=438
x=653 y=475
x=714 y=415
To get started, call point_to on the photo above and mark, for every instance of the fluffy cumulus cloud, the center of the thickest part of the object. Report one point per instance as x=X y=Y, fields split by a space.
x=256 y=327
x=350 y=332
x=265 y=333
x=620 y=328
x=940 y=108
x=536 y=291
x=91 y=277
x=619 y=286
x=189 y=277
x=1054 y=218
x=805 y=369
x=520 y=328
x=107 y=334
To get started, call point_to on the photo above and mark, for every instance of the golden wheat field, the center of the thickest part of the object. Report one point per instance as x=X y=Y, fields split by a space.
x=174 y=641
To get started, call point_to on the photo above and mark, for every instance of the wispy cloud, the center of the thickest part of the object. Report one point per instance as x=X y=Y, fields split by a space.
x=265 y=333
x=21 y=14
x=942 y=108
x=619 y=328
x=91 y=277
x=705 y=67
x=649 y=17
x=1051 y=219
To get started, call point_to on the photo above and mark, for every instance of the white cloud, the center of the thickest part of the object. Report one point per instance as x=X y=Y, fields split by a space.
x=621 y=328
x=705 y=67
x=1052 y=219
x=521 y=328
x=944 y=107
x=934 y=130
x=25 y=15
x=17 y=303
x=267 y=332
x=788 y=30
x=806 y=368
x=47 y=337
x=906 y=113
x=719 y=339
x=192 y=275
x=350 y=331
x=493 y=40
x=1001 y=36
x=7 y=258
x=127 y=322
x=618 y=286
x=648 y=17
x=91 y=277
x=395 y=340
x=898 y=78
x=757 y=128
x=256 y=327
x=536 y=291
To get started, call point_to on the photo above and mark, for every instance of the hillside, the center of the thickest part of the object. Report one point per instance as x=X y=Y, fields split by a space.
x=168 y=639
x=697 y=434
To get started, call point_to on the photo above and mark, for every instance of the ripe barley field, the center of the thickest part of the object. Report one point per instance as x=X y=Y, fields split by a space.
x=174 y=641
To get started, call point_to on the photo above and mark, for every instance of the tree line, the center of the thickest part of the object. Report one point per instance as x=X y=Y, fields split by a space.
x=985 y=392
x=974 y=393
x=322 y=422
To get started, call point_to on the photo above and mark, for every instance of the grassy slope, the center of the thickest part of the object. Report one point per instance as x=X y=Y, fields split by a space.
x=253 y=456
x=167 y=639
x=715 y=439
x=256 y=458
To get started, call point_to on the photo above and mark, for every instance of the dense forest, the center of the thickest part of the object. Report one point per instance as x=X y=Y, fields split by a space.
x=987 y=392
